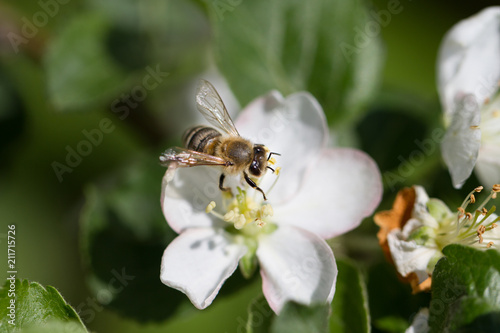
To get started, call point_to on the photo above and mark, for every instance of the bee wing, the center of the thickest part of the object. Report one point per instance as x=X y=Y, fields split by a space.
x=181 y=157
x=212 y=108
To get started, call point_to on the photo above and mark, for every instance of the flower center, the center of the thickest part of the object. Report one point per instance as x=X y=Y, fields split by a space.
x=472 y=228
x=242 y=212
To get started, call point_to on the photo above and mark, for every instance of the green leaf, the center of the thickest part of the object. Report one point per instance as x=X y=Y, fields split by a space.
x=25 y=305
x=260 y=316
x=350 y=303
x=466 y=291
x=79 y=70
x=300 y=318
x=299 y=45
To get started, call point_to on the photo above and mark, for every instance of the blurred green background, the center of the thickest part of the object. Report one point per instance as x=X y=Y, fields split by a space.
x=76 y=69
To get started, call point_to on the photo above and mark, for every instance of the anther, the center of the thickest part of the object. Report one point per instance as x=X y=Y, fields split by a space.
x=485 y=211
x=494 y=225
x=480 y=239
x=478 y=189
x=490 y=244
x=272 y=161
x=481 y=229
x=229 y=216
x=496 y=188
x=461 y=210
x=472 y=198
x=474 y=127
x=277 y=172
x=210 y=207
x=468 y=216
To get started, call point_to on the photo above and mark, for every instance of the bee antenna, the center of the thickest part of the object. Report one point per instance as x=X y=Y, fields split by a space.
x=271 y=154
x=270 y=168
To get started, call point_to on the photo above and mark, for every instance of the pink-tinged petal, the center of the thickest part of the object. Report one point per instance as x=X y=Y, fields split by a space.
x=468 y=59
x=295 y=127
x=185 y=197
x=460 y=145
x=198 y=262
x=296 y=265
x=342 y=187
x=488 y=165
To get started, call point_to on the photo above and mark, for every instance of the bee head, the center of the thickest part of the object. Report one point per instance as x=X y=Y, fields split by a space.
x=259 y=162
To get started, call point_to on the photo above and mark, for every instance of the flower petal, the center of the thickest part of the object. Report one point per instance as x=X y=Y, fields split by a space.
x=296 y=265
x=294 y=127
x=409 y=257
x=342 y=188
x=198 y=262
x=488 y=165
x=468 y=59
x=185 y=197
x=460 y=145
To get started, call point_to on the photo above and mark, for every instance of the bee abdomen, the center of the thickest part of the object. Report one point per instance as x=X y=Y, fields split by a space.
x=201 y=138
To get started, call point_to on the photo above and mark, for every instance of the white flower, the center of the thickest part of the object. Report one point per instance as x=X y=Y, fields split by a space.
x=468 y=81
x=418 y=228
x=321 y=193
x=420 y=323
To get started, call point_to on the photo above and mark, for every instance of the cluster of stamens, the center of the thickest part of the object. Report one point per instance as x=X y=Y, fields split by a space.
x=471 y=227
x=242 y=210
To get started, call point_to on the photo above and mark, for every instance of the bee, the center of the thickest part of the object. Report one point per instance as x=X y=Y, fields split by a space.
x=223 y=147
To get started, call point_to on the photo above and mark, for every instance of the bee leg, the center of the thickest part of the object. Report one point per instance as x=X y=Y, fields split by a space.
x=221 y=183
x=252 y=184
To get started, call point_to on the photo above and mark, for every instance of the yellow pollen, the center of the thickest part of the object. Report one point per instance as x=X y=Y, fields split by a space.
x=277 y=171
x=490 y=244
x=230 y=216
x=267 y=211
x=472 y=198
x=272 y=161
x=478 y=189
x=260 y=222
x=210 y=207
x=474 y=127
x=240 y=222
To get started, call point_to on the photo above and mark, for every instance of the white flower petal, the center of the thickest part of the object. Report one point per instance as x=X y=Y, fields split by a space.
x=488 y=165
x=198 y=262
x=468 y=59
x=460 y=145
x=408 y=256
x=185 y=197
x=420 y=323
x=296 y=265
x=342 y=188
x=295 y=127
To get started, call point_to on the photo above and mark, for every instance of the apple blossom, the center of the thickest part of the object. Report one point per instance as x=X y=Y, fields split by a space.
x=468 y=81
x=414 y=233
x=316 y=193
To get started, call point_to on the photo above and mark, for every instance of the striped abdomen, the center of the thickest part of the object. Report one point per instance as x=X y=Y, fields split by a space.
x=202 y=139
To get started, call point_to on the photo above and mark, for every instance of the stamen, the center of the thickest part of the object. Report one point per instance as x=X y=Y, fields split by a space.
x=490 y=244
x=267 y=211
x=210 y=207
x=474 y=127
x=260 y=222
x=277 y=172
x=472 y=198
x=230 y=216
x=241 y=221
x=481 y=229
x=468 y=216
x=478 y=189
x=484 y=211
x=272 y=161
x=494 y=225
x=496 y=188
x=480 y=239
